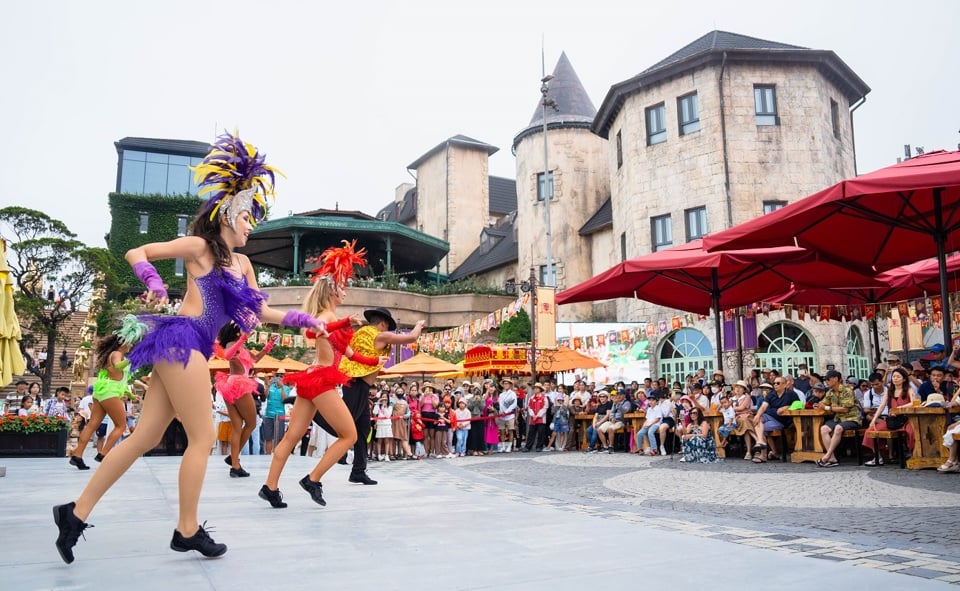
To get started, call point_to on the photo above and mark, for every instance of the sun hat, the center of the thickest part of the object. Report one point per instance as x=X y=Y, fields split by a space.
x=742 y=384
x=766 y=385
x=934 y=399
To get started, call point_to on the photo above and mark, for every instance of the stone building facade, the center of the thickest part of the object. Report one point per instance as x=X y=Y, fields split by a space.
x=720 y=132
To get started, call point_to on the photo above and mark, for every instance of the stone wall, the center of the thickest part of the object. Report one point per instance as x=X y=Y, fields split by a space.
x=784 y=162
x=581 y=185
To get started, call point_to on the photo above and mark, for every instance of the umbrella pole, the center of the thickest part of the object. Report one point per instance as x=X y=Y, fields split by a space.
x=876 y=342
x=946 y=319
x=715 y=294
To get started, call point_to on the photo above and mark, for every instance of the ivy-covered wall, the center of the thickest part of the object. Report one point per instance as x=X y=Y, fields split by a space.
x=125 y=230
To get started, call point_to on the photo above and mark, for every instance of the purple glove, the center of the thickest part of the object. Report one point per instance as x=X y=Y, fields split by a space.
x=147 y=273
x=300 y=320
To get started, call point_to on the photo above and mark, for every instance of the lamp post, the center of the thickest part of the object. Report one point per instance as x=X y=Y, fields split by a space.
x=530 y=285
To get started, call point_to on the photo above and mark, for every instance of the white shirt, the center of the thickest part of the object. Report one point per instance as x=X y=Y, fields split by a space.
x=508 y=404
x=729 y=415
x=654 y=414
x=84 y=406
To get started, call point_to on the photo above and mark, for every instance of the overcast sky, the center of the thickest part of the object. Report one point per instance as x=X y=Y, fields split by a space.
x=341 y=99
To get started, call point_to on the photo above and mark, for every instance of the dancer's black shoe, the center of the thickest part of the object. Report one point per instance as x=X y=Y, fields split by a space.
x=71 y=528
x=314 y=488
x=200 y=541
x=274 y=497
x=79 y=463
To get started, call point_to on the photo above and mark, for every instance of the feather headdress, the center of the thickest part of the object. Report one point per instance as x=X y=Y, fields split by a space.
x=239 y=178
x=338 y=263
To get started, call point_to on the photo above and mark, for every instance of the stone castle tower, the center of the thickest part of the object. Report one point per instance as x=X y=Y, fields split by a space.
x=577 y=160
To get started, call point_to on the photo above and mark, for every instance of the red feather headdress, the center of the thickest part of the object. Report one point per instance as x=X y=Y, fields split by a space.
x=338 y=263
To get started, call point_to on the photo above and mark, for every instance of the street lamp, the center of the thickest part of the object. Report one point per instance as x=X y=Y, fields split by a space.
x=530 y=285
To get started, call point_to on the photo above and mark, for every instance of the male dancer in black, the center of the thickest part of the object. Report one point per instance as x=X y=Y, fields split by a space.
x=372 y=340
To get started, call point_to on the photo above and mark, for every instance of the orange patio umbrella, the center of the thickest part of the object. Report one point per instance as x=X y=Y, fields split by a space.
x=290 y=365
x=564 y=359
x=421 y=363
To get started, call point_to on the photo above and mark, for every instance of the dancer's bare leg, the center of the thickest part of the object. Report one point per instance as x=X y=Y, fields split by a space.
x=300 y=417
x=336 y=413
x=243 y=417
x=96 y=417
x=118 y=415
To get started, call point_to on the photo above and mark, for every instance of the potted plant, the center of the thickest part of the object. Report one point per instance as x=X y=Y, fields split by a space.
x=33 y=435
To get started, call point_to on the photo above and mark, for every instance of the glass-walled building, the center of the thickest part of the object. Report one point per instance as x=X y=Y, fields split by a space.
x=148 y=166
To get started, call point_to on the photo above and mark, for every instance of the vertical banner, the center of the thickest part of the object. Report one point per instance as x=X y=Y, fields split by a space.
x=729 y=330
x=546 y=318
x=750 y=332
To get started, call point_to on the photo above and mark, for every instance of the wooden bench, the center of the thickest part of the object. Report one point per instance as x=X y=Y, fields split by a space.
x=781 y=435
x=895 y=436
x=857 y=436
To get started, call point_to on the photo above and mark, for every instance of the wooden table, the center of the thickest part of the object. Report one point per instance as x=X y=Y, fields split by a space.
x=581 y=422
x=633 y=421
x=807 y=422
x=929 y=424
x=715 y=418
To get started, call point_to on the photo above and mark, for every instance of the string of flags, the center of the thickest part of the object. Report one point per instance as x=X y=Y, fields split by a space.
x=454 y=339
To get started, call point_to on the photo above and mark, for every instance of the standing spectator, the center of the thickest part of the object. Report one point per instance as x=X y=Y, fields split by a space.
x=507 y=421
x=463 y=427
x=440 y=449
x=536 y=419
x=42 y=358
x=475 y=442
x=34 y=391
x=383 y=414
x=64 y=363
x=274 y=425
x=401 y=432
x=57 y=407
x=491 y=406
x=561 y=423
x=26 y=406
x=417 y=434
x=429 y=402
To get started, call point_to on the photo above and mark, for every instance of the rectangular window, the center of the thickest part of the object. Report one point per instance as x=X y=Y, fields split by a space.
x=661 y=232
x=623 y=246
x=155 y=176
x=772 y=205
x=144 y=222
x=181 y=225
x=835 y=118
x=543 y=191
x=688 y=110
x=696 y=223
x=765 y=100
x=132 y=171
x=656 y=125
x=548 y=279
x=619 y=150
x=178 y=268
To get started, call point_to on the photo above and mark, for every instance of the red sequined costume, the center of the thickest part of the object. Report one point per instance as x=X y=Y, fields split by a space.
x=316 y=379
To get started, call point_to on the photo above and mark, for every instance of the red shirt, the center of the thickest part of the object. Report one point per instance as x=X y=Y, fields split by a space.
x=536 y=404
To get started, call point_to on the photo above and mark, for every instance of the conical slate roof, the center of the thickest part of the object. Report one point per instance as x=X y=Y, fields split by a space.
x=574 y=107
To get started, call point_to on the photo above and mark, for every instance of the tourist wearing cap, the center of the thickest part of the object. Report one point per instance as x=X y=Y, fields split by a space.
x=602 y=415
x=621 y=406
x=463 y=417
x=938 y=356
x=768 y=416
x=475 y=440
x=561 y=423
x=507 y=421
x=898 y=394
x=840 y=401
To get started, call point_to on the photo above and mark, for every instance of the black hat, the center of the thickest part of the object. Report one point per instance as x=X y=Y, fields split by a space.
x=833 y=374
x=373 y=314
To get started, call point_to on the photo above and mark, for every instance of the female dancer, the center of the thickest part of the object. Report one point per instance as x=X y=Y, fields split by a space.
x=317 y=386
x=221 y=286
x=237 y=388
x=110 y=388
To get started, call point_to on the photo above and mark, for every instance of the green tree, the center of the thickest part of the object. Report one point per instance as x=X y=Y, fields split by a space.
x=515 y=330
x=44 y=253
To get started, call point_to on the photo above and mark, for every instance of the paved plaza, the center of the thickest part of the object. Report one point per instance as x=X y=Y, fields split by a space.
x=509 y=521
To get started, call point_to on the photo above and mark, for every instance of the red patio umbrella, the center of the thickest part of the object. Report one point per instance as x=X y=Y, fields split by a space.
x=686 y=277
x=898 y=215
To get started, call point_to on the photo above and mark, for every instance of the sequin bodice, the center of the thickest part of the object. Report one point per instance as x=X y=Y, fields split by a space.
x=226 y=297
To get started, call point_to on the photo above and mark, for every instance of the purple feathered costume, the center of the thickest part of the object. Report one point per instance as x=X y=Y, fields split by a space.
x=172 y=338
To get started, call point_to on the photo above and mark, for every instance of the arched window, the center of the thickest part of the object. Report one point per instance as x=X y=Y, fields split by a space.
x=858 y=359
x=783 y=346
x=683 y=352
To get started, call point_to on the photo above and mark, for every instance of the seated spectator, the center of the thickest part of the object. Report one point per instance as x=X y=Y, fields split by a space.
x=698 y=444
x=742 y=404
x=599 y=418
x=934 y=384
x=699 y=398
x=816 y=395
x=767 y=417
x=869 y=398
x=952 y=464
x=898 y=394
x=729 y=423
x=650 y=425
x=607 y=430
x=668 y=423
x=841 y=401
